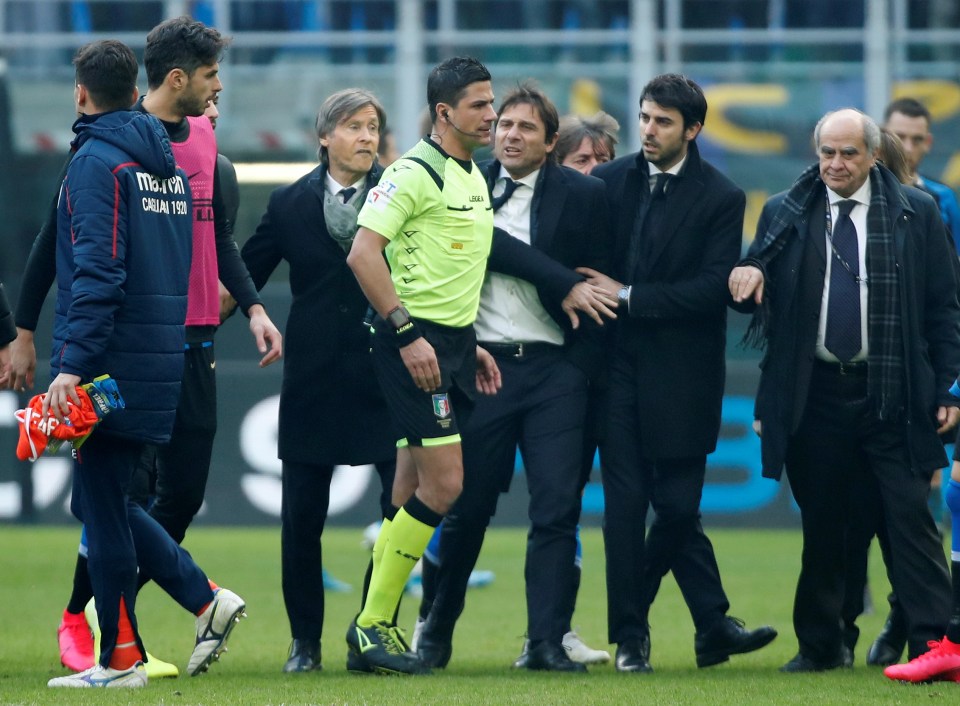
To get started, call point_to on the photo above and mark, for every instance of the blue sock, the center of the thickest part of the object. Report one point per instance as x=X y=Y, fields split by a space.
x=578 y=559
x=432 y=552
x=952 y=498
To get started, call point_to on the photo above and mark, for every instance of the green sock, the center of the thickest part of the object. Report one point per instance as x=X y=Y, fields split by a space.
x=381 y=541
x=405 y=540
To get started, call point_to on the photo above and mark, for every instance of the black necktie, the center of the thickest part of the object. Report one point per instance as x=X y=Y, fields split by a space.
x=511 y=186
x=347 y=194
x=842 y=337
x=660 y=186
x=649 y=224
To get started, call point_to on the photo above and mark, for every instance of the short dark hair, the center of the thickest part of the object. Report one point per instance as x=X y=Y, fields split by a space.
x=680 y=93
x=448 y=81
x=340 y=106
x=107 y=69
x=181 y=43
x=528 y=93
x=602 y=129
x=910 y=107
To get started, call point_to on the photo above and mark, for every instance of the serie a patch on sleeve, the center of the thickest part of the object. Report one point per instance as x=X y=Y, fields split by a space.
x=381 y=194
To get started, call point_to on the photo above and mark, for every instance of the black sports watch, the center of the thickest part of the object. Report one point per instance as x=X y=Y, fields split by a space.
x=399 y=317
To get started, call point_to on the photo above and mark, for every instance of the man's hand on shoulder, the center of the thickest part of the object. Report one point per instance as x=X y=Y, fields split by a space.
x=268 y=338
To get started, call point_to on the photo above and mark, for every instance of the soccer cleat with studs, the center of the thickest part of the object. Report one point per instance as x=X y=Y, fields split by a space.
x=214 y=626
x=381 y=649
x=941 y=663
x=98 y=677
x=579 y=651
x=156 y=667
x=76 y=642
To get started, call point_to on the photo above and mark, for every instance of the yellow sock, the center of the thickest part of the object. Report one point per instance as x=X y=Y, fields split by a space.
x=381 y=541
x=403 y=543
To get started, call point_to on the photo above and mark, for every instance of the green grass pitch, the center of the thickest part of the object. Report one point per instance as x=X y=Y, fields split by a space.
x=759 y=569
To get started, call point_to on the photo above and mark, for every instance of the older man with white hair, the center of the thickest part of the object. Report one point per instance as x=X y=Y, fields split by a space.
x=854 y=294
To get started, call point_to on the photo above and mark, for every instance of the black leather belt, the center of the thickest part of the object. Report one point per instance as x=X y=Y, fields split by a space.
x=518 y=350
x=858 y=369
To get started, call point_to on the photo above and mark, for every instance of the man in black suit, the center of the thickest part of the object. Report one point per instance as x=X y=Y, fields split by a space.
x=545 y=366
x=678 y=224
x=328 y=381
x=860 y=319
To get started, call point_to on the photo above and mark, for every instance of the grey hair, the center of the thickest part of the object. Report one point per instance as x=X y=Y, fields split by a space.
x=601 y=128
x=340 y=106
x=871 y=131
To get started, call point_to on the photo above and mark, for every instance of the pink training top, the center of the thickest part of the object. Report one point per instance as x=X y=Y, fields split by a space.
x=197 y=156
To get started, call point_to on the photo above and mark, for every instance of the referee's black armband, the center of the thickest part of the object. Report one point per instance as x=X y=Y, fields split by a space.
x=406 y=334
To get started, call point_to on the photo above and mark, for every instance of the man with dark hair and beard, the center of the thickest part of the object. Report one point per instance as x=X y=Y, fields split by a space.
x=677 y=224
x=182 y=62
x=123 y=268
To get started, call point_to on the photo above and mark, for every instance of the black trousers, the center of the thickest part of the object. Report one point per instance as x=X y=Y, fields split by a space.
x=304 y=500
x=637 y=560
x=541 y=408
x=838 y=458
x=183 y=464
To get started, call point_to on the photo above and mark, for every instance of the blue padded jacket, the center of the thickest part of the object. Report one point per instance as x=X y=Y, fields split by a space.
x=124 y=230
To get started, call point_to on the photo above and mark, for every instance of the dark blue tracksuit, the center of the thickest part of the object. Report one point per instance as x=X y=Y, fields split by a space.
x=124 y=232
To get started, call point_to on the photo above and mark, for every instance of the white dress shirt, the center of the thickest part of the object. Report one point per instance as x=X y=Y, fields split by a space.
x=510 y=309
x=332 y=186
x=859 y=217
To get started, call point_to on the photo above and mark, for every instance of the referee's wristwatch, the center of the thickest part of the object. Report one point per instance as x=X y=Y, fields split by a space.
x=623 y=296
x=398 y=318
x=404 y=328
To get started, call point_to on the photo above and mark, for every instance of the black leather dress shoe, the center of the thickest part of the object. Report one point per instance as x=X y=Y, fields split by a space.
x=546 y=656
x=801 y=664
x=304 y=656
x=435 y=646
x=729 y=637
x=888 y=647
x=634 y=656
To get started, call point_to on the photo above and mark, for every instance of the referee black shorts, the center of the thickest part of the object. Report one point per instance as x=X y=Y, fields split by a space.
x=428 y=418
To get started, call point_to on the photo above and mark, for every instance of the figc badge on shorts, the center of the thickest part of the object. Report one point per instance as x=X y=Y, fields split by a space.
x=441 y=406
